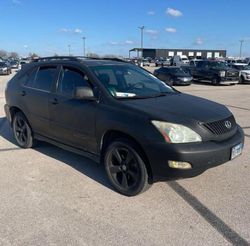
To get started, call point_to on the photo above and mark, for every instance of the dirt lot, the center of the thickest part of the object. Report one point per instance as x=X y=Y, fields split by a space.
x=49 y=196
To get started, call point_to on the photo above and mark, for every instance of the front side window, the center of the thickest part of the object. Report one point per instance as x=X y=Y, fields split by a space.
x=128 y=81
x=70 y=79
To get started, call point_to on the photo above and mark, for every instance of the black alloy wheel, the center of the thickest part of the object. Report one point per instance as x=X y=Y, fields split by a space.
x=22 y=131
x=125 y=168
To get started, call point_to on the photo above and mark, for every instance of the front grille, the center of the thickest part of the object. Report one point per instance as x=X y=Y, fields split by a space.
x=222 y=126
x=232 y=74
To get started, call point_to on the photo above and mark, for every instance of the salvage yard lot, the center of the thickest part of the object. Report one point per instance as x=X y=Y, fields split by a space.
x=49 y=196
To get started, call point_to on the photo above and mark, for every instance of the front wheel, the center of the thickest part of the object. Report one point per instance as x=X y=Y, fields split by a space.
x=125 y=168
x=170 y=82
x=22 y=131
x=215 y=81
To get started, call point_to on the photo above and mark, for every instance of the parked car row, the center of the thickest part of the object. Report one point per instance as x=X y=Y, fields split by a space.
x=215 y=72
x=5 y=68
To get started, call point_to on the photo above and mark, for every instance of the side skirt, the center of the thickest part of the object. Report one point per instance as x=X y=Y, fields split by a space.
x=92 y=156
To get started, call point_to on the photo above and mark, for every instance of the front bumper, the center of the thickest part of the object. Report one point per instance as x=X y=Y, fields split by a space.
x=182 y=81
x=229 y=80
x=7 y=112
x=201 y=156
x=3 y=72
x=246 y=78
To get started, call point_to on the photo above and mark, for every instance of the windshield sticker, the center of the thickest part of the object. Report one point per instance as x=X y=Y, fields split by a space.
x=125 y=94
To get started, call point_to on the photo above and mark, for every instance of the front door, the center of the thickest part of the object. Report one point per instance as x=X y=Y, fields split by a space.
x=72 y=121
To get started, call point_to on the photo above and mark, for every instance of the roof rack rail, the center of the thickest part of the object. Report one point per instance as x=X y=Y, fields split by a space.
x=74 y=58
x=105 y=58
x=49 y=58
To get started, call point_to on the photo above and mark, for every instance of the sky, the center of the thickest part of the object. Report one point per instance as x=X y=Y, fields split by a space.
x=111 y=26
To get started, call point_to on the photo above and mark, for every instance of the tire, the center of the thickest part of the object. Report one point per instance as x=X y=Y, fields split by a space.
x=22 y=131
x=170 y=82
x=215 y=81
x=125 y=168
x=241 y=80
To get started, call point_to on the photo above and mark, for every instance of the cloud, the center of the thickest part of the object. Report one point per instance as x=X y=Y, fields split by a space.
x=151 y=12
x=16 y=2
x=170 y=29
x=25 y=46
x=77 y=31
x=151 y=32
x=199 y=41
x=173 y=12
x=67 y=30
x=129 y=42
x=113 y=43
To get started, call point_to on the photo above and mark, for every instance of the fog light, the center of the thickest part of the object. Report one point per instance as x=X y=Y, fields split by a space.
x=179 y=165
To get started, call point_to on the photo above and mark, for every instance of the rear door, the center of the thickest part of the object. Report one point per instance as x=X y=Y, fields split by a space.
x=35 y=95
x=72 y=120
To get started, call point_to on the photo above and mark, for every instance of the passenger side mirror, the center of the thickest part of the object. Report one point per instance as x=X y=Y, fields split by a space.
x=85 y=93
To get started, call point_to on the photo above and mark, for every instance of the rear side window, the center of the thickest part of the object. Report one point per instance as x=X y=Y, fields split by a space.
x=28 y=78
x=44 y=78
x=69 y=79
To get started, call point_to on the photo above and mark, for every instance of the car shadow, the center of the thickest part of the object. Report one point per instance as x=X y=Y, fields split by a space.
x=83 y=165
x=197 y=82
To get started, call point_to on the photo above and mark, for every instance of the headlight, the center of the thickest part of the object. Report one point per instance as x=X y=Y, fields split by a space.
x=175 y=133
x=222 y=73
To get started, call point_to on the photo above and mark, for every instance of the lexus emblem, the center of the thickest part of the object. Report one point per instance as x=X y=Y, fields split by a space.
x=228 y=124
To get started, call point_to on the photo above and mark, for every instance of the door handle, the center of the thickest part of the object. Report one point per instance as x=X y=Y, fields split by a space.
x=54 y=101
x=23 y=93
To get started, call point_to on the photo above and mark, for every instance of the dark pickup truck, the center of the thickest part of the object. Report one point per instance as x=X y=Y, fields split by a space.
x=216 y=72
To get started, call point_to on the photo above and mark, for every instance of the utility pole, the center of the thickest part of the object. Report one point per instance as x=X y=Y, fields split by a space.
x=142 y=29
x=69 y=46
x=241 y=42
x=83 y=39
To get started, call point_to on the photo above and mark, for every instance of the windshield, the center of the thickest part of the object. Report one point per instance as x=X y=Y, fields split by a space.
x=176 y=70
x=218 y=64
x=128 y=81
x=246 y=68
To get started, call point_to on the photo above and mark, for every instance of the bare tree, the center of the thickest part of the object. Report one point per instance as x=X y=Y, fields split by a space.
x=110 y=56
x=33 y=55
x=3 y=53
x=13 y=55
x=93 y=55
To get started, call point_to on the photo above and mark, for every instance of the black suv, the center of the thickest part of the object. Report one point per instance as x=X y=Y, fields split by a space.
x=216 y=72
x=122 y=116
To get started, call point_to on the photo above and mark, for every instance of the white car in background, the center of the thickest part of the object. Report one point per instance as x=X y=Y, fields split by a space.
x=244 y=70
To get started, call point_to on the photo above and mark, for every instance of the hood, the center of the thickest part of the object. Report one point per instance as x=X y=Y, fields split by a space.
x=182 y=74
x=245 y=71
x=179 y=106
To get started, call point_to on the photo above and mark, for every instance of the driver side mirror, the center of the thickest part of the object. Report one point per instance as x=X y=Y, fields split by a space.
x=84 y=93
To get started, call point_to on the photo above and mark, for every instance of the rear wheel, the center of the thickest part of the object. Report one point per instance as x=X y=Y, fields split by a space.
x=22 y=131
x=125 y=168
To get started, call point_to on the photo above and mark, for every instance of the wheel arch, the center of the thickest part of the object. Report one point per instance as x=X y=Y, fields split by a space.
x=111 y=135
x=13 y=111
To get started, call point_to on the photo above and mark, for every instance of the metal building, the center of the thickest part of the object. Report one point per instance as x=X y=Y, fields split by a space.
x=190 y=53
